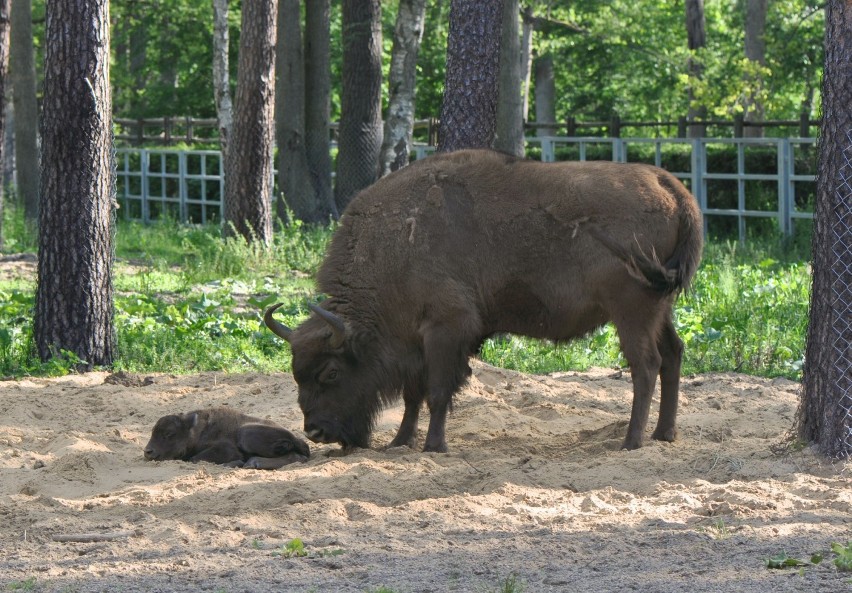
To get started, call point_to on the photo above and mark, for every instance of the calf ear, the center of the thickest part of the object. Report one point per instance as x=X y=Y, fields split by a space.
x=190 y=420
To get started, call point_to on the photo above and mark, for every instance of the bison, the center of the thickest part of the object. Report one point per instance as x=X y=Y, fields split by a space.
x=431 y=260
x=224 y=436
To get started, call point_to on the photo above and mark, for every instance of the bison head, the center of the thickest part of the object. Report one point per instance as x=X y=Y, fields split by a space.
x=170 y=437
x=338 y=375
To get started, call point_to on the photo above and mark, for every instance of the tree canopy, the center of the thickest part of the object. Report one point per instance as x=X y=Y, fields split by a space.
x=623 y=56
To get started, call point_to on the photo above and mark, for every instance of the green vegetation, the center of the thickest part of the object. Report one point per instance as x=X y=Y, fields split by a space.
x=27 y=585
x=189 y=301
x=843 y=562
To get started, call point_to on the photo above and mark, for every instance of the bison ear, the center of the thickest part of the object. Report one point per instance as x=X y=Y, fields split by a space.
x=190 y=420
x=338 y=328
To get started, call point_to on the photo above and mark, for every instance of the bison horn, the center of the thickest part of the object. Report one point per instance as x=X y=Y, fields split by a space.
x=338 y=328
x=279 y=329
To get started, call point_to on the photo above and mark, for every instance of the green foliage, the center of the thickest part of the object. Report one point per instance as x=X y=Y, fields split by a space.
x=843 y=561
x=188 y=300
x=782 y=560
x=27 y=585
x=292 y=549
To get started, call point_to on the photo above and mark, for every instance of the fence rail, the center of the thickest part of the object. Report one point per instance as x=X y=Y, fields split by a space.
x=733 y=179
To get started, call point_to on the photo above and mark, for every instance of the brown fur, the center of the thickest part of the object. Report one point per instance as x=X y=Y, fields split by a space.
x=224 y=436
x=434 y=258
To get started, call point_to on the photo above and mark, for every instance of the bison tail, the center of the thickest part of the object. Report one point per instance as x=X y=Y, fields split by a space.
x=669 y=277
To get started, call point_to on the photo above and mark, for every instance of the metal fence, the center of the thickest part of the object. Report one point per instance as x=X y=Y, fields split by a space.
x=734 y=179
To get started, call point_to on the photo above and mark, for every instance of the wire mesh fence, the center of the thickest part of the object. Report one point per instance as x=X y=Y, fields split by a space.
x=842 y=293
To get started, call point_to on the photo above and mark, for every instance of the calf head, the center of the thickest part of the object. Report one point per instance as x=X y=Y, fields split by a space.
x=339 y=377
x=171 y=437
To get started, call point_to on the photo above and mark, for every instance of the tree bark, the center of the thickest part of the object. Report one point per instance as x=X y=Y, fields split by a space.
x=825 y=412
x=74 y=296
x=360 y=140
x=469 y=110
x=293 y=176
x=545 y=95
x=526 y=60
x=222 y=74
x=5 y=21
x=696 y=39
x=399 y=121
x=755 y=51
x=25 y=105
x=318 y=104
x=510 y=106
x=248 y=165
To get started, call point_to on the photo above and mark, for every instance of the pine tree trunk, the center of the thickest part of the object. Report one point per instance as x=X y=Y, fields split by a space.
x=510 y=117
x=545 y=94
x=293 y=177
x=825 y=413
x=25 y=105
x=469 y=110
x=360 y=139
x=74 y=297
x=696 y=39
x=318 y=104
x=221 y=74
x=526 y=60
x=399 y=121
x=5 y=21
x=248 y=168
x=755 y=51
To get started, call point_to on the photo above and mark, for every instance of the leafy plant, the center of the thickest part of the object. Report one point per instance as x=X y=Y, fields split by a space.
x=295 y=548
x=843 y=561
x=26 y=585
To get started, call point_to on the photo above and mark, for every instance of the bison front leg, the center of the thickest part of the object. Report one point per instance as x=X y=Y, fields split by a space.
x=446 y=350
x=413 y=395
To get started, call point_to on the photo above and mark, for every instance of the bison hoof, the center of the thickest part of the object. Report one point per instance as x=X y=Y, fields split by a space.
x=411 y=443
x=631 y=444
x=436 y=448
x=668 y=435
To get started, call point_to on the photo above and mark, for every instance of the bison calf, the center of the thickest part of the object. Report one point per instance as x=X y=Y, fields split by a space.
x=225 y=436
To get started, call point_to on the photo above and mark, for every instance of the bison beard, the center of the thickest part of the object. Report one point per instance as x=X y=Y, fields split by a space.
x=433 y=259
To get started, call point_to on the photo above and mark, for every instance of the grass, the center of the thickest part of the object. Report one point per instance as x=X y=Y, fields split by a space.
x=189 y=301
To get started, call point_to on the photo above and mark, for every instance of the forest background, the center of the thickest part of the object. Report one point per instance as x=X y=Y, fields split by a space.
x=618 y=56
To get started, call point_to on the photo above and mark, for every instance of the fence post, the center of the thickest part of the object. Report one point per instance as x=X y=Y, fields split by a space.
x=804 y=125
x=143 y=166
x=698 y=165
x=140 y=132
x=615 y=126
x=681 y=127
x=785 y=186
x=167 y=130
x=739 y=125
x=189 y=131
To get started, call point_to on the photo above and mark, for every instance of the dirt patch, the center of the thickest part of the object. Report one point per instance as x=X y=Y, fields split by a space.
x=534 y=485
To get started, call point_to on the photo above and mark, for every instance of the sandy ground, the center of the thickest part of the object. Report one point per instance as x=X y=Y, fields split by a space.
x=534 y=486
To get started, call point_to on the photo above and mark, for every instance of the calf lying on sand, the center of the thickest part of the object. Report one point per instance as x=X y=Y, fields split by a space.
x=225 y=436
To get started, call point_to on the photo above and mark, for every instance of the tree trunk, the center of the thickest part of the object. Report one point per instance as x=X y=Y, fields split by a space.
x=399 y=121
x=469 y=110
x=755 y=51
x=5 y=21
x=293 y=176
x=318 y=104
x=26 y=108
x=74 y=297
x=221 y=74
x=526 y=60
x=360 y=139
x=248 y=168
x=510 y=116
x=825 y=412
x=696 y=39
x=545 y=95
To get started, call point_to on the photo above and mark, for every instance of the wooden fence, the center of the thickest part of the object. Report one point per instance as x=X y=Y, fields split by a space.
x=168 y=131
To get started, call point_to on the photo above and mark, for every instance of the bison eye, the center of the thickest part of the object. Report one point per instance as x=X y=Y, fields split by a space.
x=329 y=375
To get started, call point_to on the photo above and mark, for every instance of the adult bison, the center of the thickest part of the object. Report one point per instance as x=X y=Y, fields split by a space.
x=431 y=260
x=224 y=436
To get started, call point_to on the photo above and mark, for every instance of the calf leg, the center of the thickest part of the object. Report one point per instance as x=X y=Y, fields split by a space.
x=222 y=452
x=262 y=440
x=446 y=349
x=273 y=462
x=413 y=395
x=671 y=351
